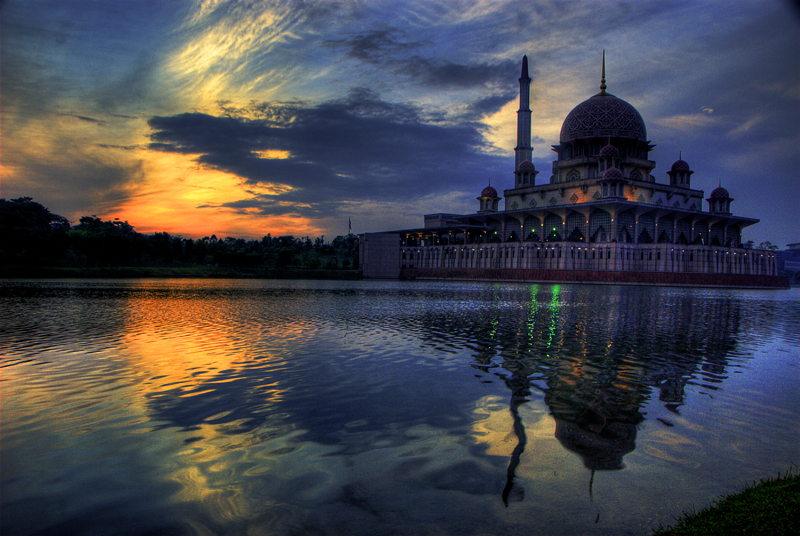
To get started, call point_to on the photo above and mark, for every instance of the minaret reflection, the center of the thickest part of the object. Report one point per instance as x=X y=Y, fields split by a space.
x=599 y=356
x=519 y=396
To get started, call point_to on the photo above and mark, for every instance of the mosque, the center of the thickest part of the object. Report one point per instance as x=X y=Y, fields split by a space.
x=602 y=217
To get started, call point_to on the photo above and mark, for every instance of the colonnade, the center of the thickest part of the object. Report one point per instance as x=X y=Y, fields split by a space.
x=670 y=258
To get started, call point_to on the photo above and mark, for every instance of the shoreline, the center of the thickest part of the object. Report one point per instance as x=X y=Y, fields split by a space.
x=167 y=272
x=769 y=506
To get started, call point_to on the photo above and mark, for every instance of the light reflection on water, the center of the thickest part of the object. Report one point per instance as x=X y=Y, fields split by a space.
x=280 y=407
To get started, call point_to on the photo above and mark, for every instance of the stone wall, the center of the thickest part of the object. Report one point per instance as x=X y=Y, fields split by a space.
x=379 y=255
x=599 y=276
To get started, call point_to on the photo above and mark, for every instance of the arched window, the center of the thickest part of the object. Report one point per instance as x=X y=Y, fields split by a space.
x=574 y=175
x=576 y=227
x=636 y=175
x=599 y=224
x=553 y=228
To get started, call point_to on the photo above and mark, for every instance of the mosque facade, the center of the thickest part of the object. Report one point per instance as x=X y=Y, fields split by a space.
x=601 y=217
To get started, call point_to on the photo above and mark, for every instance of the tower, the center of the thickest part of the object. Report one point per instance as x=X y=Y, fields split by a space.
x=719 y=202
x=488 y=200
x=523 y=150
x=680 y=174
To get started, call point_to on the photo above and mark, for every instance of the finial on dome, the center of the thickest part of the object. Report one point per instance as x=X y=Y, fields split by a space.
x=603 y=78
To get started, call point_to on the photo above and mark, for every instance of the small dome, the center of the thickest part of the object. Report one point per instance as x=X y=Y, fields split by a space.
x=526 y=165
x=720 y=193
x=609 y=150
x=489 y=192
x=612 y=174
x=680 y=165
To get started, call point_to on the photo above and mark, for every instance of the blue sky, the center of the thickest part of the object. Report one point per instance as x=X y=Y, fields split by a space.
x=248 y=118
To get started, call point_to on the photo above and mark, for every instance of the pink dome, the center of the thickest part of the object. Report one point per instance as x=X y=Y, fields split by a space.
x=489 y=192
x=526 y=165
x=720 y=193
x=680 y=165
x=612 y=174
x=609 y=150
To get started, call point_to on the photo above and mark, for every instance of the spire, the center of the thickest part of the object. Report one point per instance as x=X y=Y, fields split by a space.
x=603 y=78
x=524 y=76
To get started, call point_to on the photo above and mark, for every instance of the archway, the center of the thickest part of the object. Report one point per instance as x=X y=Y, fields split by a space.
x=575 y=236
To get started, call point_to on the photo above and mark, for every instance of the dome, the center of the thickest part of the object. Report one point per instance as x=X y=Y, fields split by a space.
x=612 y=174
x=603 y=115
x=680 y=165
x=609 y=150
x=526 y=165
x=720 y=193
x=489 y=192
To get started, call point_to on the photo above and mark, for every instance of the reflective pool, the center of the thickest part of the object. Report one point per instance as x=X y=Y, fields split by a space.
x=321 y=407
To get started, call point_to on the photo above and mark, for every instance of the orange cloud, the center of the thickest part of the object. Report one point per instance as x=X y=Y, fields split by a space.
x=180 y=196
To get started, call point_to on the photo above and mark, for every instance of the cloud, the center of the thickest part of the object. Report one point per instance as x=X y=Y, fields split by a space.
x=687 y=122
x=84 y=118
x=388 y=49
x=356 y=149
x=375 y=46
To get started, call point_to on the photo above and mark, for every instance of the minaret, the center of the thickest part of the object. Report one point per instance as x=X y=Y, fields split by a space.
x=523 y=150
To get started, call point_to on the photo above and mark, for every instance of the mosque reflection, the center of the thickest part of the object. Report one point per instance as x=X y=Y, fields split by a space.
x=599 y=358
x=595 y=356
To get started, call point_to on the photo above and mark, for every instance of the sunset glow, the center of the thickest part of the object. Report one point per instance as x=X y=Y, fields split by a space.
x=242 y=119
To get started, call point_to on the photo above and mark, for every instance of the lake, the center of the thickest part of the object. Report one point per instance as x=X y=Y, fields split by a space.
x=266 y=407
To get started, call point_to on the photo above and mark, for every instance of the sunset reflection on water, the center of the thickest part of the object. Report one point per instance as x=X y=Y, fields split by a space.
x=271 y=407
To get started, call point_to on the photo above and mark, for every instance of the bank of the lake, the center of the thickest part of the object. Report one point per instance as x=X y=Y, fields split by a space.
x=771 y=506
x=166 y=272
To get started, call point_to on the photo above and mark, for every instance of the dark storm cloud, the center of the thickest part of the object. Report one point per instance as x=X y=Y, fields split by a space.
x=489 y=105
x=387 y=49
x=356 y=149
x=376 y=46
x=444 y=73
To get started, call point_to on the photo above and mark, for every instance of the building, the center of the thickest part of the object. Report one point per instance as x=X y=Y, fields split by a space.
x=602 y=216
x=788 y=262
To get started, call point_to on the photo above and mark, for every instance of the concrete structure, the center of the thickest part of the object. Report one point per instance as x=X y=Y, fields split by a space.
x=601 y=217
x=788 y=261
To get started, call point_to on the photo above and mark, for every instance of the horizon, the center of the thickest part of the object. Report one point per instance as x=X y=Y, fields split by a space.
x=284 y=118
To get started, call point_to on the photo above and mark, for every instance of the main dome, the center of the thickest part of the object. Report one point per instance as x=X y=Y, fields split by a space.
x=603 y=115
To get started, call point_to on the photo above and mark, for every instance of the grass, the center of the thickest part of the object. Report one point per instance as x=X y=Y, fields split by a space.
x=771 y=506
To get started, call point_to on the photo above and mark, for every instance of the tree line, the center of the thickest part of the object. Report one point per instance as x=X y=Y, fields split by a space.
x=30 y=235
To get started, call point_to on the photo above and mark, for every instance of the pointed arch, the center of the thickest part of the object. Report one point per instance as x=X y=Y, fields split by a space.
x=599 y=225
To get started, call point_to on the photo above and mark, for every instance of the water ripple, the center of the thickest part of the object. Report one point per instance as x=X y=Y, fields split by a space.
x=250 y=403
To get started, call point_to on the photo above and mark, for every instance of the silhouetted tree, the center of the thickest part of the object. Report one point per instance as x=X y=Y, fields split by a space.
x=29 y=232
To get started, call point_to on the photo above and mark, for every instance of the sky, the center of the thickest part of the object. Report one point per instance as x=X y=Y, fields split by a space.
x=305 y=118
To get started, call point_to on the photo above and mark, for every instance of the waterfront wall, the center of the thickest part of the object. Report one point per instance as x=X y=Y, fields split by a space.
x=379 y=255
x=598 y=276
x=613 y=257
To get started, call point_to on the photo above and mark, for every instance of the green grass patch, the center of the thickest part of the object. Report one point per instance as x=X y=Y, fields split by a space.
x=771 y=506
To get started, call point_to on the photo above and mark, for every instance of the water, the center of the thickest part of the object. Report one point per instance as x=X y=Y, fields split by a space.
x=287 y=407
